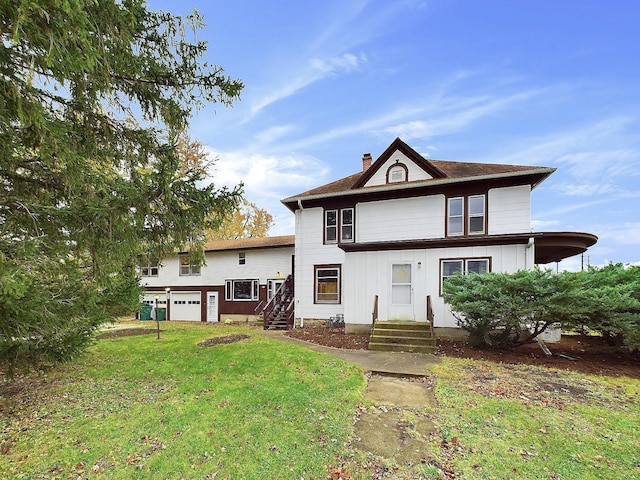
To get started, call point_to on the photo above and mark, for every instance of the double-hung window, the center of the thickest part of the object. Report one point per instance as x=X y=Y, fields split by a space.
x=245 y=290
x=465 y=266
x=339 y=225
x=331 y=226
x=187 y=268
x=466 y=215
x=149 y=266
x=327 y=284
x=476 y=214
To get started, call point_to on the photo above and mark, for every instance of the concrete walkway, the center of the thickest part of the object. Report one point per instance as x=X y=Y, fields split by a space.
x=389 y=363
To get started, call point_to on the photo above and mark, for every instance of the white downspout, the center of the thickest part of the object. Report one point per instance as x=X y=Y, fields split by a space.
x=299 y=262
x=529 y=245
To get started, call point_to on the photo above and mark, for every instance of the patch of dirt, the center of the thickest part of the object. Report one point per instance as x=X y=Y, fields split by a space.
x=330 y=337
x=210 y=342
x=126 y=332
x=593 y=355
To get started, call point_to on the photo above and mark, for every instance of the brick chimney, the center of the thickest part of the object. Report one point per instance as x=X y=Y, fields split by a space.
x=366 y=161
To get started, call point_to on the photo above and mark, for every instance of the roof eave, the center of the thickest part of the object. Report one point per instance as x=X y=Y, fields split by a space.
x=544 y=172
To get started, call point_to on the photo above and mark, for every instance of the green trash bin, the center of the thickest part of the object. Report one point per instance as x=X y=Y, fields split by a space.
x=161 y=313
x=145 y=312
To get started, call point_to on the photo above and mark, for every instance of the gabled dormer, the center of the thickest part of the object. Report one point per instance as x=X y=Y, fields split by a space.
x=399 y=163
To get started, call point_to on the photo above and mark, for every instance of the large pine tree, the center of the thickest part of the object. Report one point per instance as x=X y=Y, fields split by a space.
x=84 y=189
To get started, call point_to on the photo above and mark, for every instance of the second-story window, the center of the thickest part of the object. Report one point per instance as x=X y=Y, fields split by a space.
x=330 y=226
x=466 y=215
x=346 y=225
x=476 y=214
x=339 y=225
x=455 y=221
x=187 y=268
x=149 y=266
x=242 y=258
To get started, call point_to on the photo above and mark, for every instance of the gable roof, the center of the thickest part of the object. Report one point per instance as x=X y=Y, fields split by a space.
x=443 y=172
x=399 y=145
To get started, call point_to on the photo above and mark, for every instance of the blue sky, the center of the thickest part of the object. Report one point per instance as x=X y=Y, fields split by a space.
x=545 y=83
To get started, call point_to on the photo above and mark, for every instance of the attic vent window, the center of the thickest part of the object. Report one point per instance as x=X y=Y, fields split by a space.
x=397 y=173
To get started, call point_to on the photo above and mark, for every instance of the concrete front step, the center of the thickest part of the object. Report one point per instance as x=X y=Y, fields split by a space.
x=404 y=347
x=393 y=332
x=393 y=336
x=402 y=325
x=409 y=339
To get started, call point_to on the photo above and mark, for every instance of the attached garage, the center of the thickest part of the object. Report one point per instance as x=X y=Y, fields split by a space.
x=186 y=306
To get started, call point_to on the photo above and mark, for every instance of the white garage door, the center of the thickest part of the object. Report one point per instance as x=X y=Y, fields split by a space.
x=185 y=306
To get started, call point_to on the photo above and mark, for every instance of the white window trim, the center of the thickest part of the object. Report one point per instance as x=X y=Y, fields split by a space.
x=339 y=213
x=450 y=216
x=483 y=215
x=351 y=225
x=193 y=270
x=229 y=289
x=327 y=226
x=466 y=215
x=465 y=268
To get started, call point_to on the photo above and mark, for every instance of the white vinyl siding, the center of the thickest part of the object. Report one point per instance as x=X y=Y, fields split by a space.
x=422 y=217
x=261 y=264
x=366 y=275
x=509 y=210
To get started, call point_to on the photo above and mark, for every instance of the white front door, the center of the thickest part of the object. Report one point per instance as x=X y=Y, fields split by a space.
x=272 y=287
x=212 y=306
x=401 y=304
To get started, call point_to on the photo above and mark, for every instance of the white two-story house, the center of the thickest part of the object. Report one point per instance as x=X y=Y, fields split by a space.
x=390 y=234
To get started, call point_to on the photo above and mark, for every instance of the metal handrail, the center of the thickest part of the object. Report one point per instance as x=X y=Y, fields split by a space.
x=374 y=314
x=276 y=300
x=430 y=314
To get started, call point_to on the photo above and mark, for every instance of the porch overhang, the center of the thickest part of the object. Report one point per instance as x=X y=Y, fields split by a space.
x=556 y=246
x=471 y=241
x=549 y=246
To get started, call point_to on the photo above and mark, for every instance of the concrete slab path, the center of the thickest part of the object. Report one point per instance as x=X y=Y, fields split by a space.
x=390 y=363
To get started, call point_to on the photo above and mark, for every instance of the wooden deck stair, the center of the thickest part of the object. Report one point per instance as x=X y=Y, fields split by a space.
x=278 y=313
x=390 y=336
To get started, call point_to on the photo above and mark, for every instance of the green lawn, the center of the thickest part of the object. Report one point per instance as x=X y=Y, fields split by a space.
x=138 y=407
x=516 y=421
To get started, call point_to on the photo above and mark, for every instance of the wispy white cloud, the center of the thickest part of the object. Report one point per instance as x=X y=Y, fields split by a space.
x=269 y=178
x=455 y=115
x=313 y=71
x=585 y=189
x=541 y=225
x=627 y=233
x=583 y=148
x=273 y=134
